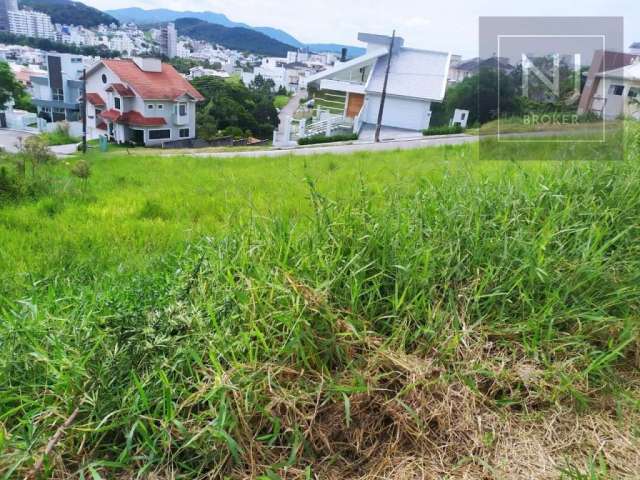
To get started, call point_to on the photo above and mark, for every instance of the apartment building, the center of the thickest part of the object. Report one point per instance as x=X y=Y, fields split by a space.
x=31 y=24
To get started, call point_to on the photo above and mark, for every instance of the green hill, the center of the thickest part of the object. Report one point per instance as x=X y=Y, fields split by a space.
x=70 y=13
x=236 y=38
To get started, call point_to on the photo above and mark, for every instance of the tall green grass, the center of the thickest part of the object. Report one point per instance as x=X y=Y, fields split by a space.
x=212 y=318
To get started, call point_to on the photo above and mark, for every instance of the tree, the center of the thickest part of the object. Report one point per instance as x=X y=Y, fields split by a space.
x=232 y=104
x=481 y=96
x=10 y=88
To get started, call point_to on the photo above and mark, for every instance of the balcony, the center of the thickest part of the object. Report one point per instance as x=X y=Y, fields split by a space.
x=342 y=86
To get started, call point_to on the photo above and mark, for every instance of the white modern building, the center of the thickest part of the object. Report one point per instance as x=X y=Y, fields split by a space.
x=56 y=94
x=31 y=24
x=417 y=78
x=621 y=88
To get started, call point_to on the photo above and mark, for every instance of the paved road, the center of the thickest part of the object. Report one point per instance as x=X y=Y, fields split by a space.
x=348 y=148
x=10 y=139
x=289 y=109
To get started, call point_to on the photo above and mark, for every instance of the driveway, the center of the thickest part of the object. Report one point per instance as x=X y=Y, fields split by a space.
x=287 y=111
x=10 y=139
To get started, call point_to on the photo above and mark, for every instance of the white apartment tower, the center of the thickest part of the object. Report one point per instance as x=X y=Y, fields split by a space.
x=31 y=24
x=169 y=40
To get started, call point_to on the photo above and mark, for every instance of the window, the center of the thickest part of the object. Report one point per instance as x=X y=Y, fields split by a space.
x=634 y=92
x=104 y=78
x=184 y=133
x=160 y=106
x=182 y=109
x=116 y=103
x=616 y=90
x=58 y=95
x=150 y=106
x=462 y=117
x=76 y=60
x=159 y=134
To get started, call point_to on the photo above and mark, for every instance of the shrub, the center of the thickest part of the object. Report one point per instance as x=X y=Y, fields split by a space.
x=35 y=151
x=454 y=129
x=327 y=139
x=82 y=170
x=60 y=136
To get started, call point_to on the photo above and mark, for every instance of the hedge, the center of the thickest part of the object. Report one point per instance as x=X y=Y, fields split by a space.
x=324 y=139
x=443 y=130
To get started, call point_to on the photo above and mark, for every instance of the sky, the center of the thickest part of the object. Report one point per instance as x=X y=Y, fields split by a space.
x=431 y=24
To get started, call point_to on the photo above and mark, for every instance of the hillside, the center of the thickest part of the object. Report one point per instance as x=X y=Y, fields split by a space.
x=141 y=16
x=236 y=38
x=70 y=12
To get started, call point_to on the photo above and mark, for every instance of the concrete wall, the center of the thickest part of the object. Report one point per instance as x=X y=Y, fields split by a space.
x=398 y=112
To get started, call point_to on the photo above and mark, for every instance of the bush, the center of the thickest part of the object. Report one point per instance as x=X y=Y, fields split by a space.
x=60 y=136
x=324 y=139
x=454 y=129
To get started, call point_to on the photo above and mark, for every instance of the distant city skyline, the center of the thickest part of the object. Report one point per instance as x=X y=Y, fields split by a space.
x=438 y=26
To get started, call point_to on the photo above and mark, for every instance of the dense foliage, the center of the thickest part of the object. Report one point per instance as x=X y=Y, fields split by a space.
x=49 y=45
x=229 y=104
x=491 y=88
x=68 y=12
x=236 y=38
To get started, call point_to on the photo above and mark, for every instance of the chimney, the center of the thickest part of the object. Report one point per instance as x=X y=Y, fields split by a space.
x=343 y=56
x=148 y=64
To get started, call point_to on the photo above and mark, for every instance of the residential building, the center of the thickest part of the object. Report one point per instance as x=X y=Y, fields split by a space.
x=140 y=100
x=168 y=40
x=634 y=48
x=6 y=6
x=56 y=95
x=594 y=93
x=621 y=93
x=197 y=72
x=417 y=78
x=31 y=24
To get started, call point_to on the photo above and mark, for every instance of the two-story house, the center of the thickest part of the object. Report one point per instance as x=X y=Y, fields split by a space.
x=140 y=100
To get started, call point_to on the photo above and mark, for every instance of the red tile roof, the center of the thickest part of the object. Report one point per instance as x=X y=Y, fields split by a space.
x=110 y=114
x=122 y=90
x=165 y=85
x=136 y=118
x=132 y=118
x=95 y=99
x=101 y=126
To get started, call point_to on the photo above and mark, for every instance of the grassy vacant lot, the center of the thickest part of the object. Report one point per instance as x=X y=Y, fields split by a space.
x=419 y=314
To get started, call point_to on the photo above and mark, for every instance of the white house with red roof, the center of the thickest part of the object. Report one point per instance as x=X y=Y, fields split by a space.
x=140 y=100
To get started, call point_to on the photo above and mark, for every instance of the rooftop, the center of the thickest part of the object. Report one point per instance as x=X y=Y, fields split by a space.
x=166 y=84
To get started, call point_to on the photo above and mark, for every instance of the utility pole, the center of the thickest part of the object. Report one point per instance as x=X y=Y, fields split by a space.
x=84 y=111
x=384 y=89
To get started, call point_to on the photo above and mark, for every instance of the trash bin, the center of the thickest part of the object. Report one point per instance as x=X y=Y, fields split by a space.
x=104 y=144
